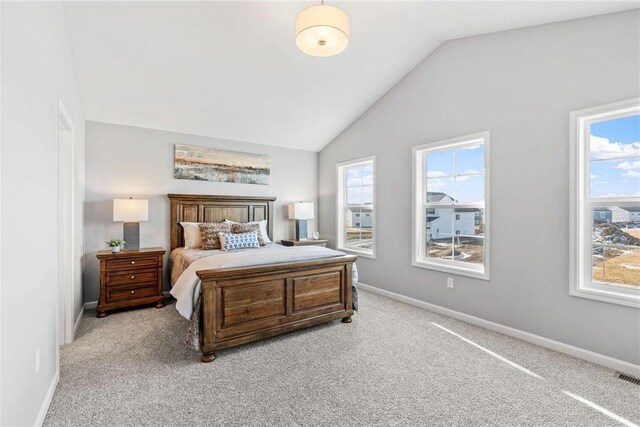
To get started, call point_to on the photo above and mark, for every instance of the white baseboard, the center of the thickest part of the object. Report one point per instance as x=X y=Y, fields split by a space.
x=590 y=356
x=75 y=327
x=44 y=408
x=93 y=304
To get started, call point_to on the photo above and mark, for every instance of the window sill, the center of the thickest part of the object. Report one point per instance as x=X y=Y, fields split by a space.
x=359 y=253
x=630 y=298
x=482 y=275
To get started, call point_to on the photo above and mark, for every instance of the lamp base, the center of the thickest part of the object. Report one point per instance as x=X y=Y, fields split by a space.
x=131 y=235
x=301 y=229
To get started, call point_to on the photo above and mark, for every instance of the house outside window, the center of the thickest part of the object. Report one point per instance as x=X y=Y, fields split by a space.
x=355 y=206
x=605 y=201
x=451 y=196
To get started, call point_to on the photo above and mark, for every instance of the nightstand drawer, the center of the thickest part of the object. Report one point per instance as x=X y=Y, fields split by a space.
x=119 y=264
x=131 y=292
x=309 y=242
x=133 y=277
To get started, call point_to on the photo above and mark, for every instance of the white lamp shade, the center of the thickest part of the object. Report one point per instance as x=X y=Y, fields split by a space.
x=301 y=210
x=322 y=30
x=130 y=210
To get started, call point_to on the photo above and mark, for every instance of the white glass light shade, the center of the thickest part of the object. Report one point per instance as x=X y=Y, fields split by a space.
x=322 y=30
x=130 y=210
x=301 y=210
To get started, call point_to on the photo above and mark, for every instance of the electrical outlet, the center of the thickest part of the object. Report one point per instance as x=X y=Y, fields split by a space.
x=449 y=282
x=37 y=360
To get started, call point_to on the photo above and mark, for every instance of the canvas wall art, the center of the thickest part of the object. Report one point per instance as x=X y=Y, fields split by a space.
x=211 y=164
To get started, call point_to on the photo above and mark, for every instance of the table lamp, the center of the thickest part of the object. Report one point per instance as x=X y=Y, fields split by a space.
x=130 y=211
x=301 y=212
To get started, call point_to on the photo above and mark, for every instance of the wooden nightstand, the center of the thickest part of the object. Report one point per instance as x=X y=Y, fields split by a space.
x=309 y=242
x=130 y=278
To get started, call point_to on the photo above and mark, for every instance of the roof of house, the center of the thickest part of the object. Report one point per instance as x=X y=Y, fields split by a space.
x=601 y=210
x=433 y=196
x=631 y=209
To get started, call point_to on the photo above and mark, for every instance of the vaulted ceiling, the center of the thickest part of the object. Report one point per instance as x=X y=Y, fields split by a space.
x=232 y=69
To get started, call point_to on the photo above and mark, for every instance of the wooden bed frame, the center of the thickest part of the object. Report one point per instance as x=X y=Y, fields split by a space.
x=245 y=304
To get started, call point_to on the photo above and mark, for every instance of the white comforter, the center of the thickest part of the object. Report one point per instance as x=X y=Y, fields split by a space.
x=187 y=288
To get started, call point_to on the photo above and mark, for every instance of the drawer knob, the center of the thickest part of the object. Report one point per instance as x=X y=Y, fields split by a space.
x=133 y=277
x=133 y=292
x=133 y=262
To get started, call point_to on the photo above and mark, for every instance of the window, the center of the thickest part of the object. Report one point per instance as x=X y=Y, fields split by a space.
x=356 y=201
x=605 y=186
x=451 y=195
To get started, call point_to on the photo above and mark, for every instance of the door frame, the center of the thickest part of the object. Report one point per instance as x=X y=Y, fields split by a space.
x=65 y=227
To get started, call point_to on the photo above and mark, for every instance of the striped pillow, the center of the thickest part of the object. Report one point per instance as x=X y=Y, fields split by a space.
x=233 y=241
x=247 y=227
x=263 y=228
x=209 y=233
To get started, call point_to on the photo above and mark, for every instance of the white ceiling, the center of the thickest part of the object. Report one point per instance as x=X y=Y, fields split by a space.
x=232 y=69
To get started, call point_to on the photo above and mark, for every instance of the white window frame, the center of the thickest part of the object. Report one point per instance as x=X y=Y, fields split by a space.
x=341 y=205
x=419 y=258
x=580 y=227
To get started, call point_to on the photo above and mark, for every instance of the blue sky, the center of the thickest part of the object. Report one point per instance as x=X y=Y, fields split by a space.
x=462 y=179
x=617 y=139
x=360 y=185
x=625 y=130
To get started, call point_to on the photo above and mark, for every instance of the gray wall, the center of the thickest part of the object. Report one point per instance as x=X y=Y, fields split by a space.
x=125 y=161
x=520 y=85
x=37 y=70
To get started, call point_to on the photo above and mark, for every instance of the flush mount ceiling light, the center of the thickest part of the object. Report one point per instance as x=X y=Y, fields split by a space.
x=322 y=30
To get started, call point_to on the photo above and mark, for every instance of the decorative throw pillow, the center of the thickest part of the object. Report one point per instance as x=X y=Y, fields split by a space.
x=191 y=234
x=247 y=227
x=263 y=228
x=209 y=233
x=231 y=241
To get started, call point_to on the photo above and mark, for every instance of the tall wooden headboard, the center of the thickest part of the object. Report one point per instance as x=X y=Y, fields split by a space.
x=204 y=208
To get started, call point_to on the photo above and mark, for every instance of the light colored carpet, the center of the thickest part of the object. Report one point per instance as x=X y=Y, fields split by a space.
x=391 y=366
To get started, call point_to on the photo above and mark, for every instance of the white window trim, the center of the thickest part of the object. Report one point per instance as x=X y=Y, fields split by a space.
x=340 y=205
x=418 y=231
x=580 y=228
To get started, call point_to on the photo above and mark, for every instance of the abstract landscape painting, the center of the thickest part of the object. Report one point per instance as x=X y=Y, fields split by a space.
x=210 y=164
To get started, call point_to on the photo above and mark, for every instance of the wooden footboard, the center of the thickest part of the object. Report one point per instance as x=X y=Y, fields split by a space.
x=241 y=305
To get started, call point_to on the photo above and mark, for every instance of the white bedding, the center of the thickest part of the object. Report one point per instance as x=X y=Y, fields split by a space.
x=187 y=288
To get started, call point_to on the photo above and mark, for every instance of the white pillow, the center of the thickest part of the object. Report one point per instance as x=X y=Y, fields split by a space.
x=191 y=234
x=263 y=228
